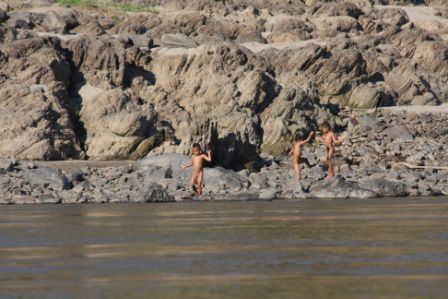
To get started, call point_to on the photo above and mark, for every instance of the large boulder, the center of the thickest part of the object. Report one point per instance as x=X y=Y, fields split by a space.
x=385 y=188
x=164 y=166
x=58 y=23
x=152 y=193
x=218 y=179
x=367 y=96
x=338 y=187
x=332 y=9
x=44 y=177
x=118 y=125
x=20 y=21
x=398 y=133
x=288 y=30
x=178 y=40
x=392 y=16
x=331 y=26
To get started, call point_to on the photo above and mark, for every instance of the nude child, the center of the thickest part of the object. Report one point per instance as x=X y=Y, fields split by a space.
x=296 y=152
x=197 y=162
x=329 y=139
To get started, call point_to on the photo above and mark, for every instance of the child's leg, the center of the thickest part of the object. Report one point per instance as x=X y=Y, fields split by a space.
x=193 y=180
x=330 y=162
x=297 y=170
x=199 y=182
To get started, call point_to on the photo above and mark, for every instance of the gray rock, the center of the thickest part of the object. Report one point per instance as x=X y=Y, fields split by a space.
x=164 y=166
x=62 y=24
x=178 y=40
x=242 y=196
x=375 y=170
x=309 y=157
x=6 y=165
x=31 y=165
x=385 y=188
x=315 y=173
x=5 y=183
x=269 y=194
x=138 y=40
x=47 y=178
x=3 y=15
x=258 y=181
x=82 y=186
x=218 y=178
x=48 y=199
x=152 y=193
x=99 y=197
x=409 y=178
x=398 y=132
x=70 y=196
x=305 y=185
x=4 y=6
x=22 y=199
x=338 y=187
x=20 y=20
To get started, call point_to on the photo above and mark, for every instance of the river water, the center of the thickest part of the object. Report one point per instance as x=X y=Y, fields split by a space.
x=394 y=248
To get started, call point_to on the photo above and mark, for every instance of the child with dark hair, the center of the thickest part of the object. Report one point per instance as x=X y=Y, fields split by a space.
x=296 y=151
x=197 y=162
x=329 y=139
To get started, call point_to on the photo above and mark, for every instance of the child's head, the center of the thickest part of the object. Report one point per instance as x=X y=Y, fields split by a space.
x=196 y=149
x=325 y=127
x=299 y=137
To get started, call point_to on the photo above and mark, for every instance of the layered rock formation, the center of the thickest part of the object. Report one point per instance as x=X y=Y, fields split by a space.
x=205 y=85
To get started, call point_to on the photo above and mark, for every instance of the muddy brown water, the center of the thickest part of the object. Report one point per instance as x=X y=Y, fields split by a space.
x=388 y=248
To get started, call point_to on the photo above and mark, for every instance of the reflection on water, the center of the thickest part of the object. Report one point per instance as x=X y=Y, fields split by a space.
x=283 y=249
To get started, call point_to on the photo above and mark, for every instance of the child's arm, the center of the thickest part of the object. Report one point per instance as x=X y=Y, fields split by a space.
x=291 y=152
x=307 y=139
x=337 y=140
x=187 y=165
x=208 y=157
x=321 y=138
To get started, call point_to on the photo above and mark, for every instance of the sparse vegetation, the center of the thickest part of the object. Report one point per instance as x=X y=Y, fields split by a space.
x=111 y=4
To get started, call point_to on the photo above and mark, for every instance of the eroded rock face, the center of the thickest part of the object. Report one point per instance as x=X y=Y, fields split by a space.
x=213 y=97
x=35 y=120
x=118 y=125
x=100 y=61
x=241 y=77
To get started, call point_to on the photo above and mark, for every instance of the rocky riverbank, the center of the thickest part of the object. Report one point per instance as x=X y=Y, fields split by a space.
x=369 y=164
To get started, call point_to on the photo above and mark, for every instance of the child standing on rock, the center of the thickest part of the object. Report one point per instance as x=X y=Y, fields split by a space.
x=197 y=162
x=329 y=139
x=296 y=152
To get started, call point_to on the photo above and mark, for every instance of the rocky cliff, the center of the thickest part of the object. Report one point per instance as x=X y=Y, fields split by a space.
x=239 y=76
